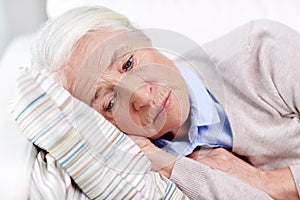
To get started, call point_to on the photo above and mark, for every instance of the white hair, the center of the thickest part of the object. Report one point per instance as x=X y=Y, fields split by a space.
x=58 y=36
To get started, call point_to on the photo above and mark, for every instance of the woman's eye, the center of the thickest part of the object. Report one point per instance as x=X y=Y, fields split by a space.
x=110 y=105
x=128 y=64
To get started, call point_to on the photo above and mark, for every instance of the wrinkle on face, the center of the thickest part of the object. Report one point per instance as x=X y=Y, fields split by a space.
x=91 y=57
x=96 y=69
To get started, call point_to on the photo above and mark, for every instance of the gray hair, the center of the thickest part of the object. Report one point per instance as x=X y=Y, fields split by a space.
x=58 y=36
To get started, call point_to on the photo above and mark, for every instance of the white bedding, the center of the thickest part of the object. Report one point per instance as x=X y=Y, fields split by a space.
x=201 y=20
x=16 y=153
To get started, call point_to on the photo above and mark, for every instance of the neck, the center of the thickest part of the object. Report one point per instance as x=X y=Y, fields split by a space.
x=182 y=131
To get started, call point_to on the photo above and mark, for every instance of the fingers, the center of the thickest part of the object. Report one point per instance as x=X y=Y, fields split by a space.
x=162 y=162
x=145 y=144
x=218 y=158
x=140 y=141
x=201 y=153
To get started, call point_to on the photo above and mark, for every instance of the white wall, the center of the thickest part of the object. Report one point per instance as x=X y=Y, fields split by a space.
x=3 y=26
x=19 y=17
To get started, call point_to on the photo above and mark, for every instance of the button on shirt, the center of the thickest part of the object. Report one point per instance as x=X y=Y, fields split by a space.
x=209 y=123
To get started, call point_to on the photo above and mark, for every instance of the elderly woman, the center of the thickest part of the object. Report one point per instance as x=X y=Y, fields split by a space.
x=104 y=61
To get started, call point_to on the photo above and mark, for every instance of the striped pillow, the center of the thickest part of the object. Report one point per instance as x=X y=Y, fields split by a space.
x=102 y=161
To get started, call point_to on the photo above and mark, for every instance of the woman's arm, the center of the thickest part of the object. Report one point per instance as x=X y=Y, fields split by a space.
x=196 y=180
x=277 y=183
x=274 y=49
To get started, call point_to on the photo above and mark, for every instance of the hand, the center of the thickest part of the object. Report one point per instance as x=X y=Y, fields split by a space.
x=225 y=161
x=162 y=162
x=277 y=183
x=144 y=143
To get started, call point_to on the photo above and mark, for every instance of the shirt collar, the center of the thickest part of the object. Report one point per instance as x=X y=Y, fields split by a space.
x=202 y=113
x=202 y=109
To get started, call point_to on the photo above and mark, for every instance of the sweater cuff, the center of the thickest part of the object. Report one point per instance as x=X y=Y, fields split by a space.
x=296 y=174
x=183 y=179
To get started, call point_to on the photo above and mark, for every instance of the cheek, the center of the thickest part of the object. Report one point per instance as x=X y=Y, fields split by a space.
x=127 y=119
x=138 y=118
x=138 y=124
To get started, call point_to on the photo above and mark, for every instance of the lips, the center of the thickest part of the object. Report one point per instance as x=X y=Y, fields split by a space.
x=165 y=105
x=167 y=102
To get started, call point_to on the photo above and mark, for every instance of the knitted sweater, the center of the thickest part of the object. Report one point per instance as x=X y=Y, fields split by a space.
x=258 y=65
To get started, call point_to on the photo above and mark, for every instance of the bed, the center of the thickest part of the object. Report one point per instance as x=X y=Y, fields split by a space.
x=200 y=21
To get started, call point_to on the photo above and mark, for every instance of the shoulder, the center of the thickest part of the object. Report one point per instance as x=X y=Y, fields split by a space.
x=269 y=31
x=246 y=37
x=267 y=25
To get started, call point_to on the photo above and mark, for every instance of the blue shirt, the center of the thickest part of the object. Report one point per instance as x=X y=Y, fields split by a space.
x=209 y=123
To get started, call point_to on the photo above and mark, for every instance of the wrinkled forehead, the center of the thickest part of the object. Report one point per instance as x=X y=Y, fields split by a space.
x=114 y=46
x=96 y=52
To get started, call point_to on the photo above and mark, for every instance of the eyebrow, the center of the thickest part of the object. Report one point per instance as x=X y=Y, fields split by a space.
x=121 y=50
x=100 y=92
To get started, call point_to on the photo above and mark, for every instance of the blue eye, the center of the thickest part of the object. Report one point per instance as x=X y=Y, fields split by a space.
x=128 y=64
x=110 y=105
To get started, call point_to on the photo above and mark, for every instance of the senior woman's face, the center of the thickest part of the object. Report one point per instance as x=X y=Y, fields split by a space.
x=131 y=84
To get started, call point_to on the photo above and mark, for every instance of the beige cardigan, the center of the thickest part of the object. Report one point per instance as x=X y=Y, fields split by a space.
x=259 y=65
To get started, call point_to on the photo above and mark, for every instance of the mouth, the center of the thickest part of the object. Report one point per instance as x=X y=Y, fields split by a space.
x=165 y=105
x=167 y=102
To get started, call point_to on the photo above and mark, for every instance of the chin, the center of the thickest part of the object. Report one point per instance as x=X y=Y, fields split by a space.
x=158 y=135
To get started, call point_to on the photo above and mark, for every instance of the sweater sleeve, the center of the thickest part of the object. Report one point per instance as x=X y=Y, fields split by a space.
x=279 y=45
x=199 y=181
x=272 y=50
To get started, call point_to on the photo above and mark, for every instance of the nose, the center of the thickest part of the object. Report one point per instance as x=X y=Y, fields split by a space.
x=142 y=97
